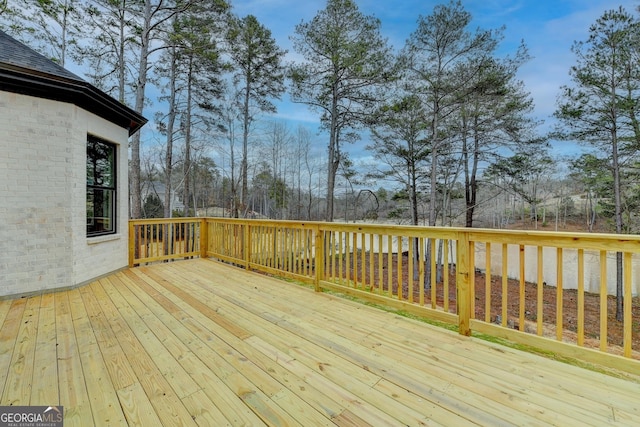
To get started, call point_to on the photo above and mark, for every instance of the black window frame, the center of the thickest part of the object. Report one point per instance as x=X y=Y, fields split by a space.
x=102 y=185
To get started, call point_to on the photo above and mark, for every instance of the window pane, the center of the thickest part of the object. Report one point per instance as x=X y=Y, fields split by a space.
x=101 y=187
x=99 y=211
x=100 y=164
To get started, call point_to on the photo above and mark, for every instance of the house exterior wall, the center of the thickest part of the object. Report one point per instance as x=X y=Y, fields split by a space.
x=43 y=243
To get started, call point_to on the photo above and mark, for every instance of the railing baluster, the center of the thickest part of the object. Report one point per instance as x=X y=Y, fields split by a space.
x=421 y=270
x=354 y=259
x=390 y=265
x=400 y=289
x=559 y=294
x=628 y=304
x=580 y=328
x=540 y=294
x=410 y=270
x=505 y=283
x=380 y=265
x=363 y=261
x=522 y=308
x=433 y=270
x=472 y=279
x=445 y=274
x=603 y=301
x=487 y=283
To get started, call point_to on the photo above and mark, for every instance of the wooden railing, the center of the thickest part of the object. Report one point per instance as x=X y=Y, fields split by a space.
x=152 y=240
x=552 y=291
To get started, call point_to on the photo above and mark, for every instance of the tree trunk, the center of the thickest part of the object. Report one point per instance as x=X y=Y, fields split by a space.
x=413 y=193
x=170 y=124
x=136 y=188
x=121 y=52
x=433 y=191
x=244 y=190
x=187 y=142
x=618 y=217
x=334 y=157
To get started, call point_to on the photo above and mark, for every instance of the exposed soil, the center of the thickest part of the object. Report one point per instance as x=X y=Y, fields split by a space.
x=549 y=297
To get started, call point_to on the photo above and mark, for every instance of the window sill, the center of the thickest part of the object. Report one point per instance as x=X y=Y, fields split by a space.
x=102 y=239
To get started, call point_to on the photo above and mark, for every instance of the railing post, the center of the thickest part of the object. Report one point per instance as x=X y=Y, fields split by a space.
x=132 y=241
x=318 y=258
x=463 y=285
x=204 y=237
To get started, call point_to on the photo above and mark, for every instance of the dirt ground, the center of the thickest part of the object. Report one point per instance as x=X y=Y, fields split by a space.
x=569 y=305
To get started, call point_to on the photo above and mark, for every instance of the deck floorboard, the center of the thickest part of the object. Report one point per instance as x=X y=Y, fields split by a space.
x=203 y=343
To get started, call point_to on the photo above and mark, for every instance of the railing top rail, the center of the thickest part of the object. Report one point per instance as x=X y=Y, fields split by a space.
x=591 y=241
x=164 y=220
x=528 y=237
x=577 y=240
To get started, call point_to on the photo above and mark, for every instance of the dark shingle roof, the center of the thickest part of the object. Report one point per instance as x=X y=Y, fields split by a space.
x=25 y=71
x=12 y=52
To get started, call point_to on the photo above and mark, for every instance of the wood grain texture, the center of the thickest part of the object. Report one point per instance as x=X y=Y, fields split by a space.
x=202 y=343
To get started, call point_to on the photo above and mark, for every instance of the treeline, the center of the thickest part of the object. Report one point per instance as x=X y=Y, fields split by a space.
x=449 y=123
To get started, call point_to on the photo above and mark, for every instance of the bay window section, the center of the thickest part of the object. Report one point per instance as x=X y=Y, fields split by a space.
x=101 y=187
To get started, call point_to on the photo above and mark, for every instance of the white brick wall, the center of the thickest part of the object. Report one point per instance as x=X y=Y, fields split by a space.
x=43 y=243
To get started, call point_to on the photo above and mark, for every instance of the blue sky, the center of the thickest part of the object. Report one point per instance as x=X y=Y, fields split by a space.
x=548 y=28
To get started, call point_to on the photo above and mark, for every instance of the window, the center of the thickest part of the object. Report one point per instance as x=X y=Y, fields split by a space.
x=101 y=187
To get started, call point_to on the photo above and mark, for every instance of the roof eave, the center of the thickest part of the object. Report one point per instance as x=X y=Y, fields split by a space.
x=82 y=94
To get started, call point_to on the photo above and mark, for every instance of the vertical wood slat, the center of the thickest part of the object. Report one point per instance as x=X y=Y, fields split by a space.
x=432 y=265
x=540 y=294
x=306 y=262
x=487 y=283
x=363 y=261
x=410 y=270
x=139 y=242
x=604 y=299
x=445 y=274
x=357 y=256
x=472 y=278
x=341 y=250
x=347 y=254
x=372 y=282
x=390 y=266
x=264 y=244
x=580 y=337
x=421 y=269
x=302 y=254
x=334 y=256
x=354 y=261
x=399 y=268
x=559 y=294
x=522 y=309
x=320 y=257
x=628 y=303
x=380 y=266
x=270 y=245
x=298 y=254
x=154 y=241
x=505 y=283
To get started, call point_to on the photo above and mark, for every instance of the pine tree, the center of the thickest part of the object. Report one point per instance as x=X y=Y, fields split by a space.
x=258 y=77
x=346 y=61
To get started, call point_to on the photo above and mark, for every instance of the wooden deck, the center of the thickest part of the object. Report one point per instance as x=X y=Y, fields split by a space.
x=202 y=343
